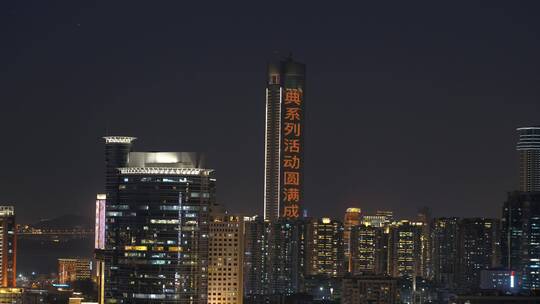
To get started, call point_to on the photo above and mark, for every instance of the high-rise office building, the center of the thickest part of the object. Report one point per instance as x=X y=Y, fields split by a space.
x=520 y=241
x=8 y=247
x=405 y=249
x=284 y=140
x=369 y=250
x=325 y=239
x=74 y=269
x=352 y=219
x=478 y=246
x=288 y=246
x=424 y=216
x=528 y=148
x=225 y=260
x=445 y=254
x=156 y=234
x=256 y=256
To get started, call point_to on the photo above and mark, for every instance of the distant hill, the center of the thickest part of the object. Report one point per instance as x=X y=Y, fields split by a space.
x=66 y=222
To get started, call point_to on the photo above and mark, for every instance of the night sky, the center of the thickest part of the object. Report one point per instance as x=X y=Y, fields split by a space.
x=408 y=105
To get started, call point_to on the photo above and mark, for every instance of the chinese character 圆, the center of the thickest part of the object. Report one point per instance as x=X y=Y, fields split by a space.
x=292 y=178
x=292 y=114
x=290 y=211
x=292 y=128
x=292 y=96
x=291 y=162
x=291 y=195
x=292 y=145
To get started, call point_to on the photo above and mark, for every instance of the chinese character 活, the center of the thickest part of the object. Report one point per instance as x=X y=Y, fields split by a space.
x=292 y=145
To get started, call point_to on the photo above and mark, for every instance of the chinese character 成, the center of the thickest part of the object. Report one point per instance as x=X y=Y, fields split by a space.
x=292 y=178
x=292 y=145
x=290 y=211
x=291 y=162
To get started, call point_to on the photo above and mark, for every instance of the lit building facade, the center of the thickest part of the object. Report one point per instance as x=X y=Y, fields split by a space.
x=528 y=148
x=369 y=289
x=352 y=219
x=405 y=249
x=507 y=281
x=445 y=256
x=11 y=295
x=325 y=250
x=520 y=241
x=284 y=140
x=478 y=247
x=288 y=244
x=71 y=270
x=225 y=261
x=156 y=235
x=369 y=250
x=257 y=233
x=8 y=247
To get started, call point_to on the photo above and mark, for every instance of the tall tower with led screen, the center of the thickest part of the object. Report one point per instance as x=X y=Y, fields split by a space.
x=284 y=140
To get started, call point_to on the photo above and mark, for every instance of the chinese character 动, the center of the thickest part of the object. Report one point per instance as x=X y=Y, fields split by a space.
x=291 y=195
x=292 y=114
x=290 y=211
x=292 y=96
x=291 y=162
x=292 y=178
x=292 y=145
x=291 y=128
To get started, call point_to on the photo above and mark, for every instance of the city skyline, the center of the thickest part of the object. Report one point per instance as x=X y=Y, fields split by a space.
x=396 y=101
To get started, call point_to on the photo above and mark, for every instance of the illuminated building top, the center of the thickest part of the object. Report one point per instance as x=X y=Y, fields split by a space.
x=7 y=210
x=529 y=138
x=528 y=148
x=119 y=139
x=164 y=171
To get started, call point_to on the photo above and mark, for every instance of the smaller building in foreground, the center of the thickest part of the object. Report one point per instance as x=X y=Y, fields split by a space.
x=11 y=295
x=369 y=289
x=74 y=269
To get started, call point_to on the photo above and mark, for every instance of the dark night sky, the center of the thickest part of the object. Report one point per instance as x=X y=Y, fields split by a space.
x=408 y=105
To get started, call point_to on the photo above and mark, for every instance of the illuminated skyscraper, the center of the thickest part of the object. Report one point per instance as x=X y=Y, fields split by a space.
x=445 y=241
x=351 y=219
x=520 y=241
x=225 y=260
x=405 y=249
x=8 y=247
x=369 y=250
x=478 y=246
x=325 y=249
x=287 y=255
x=529 y=159
x=256 y=257
x=284 y=140
x=156 y=233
